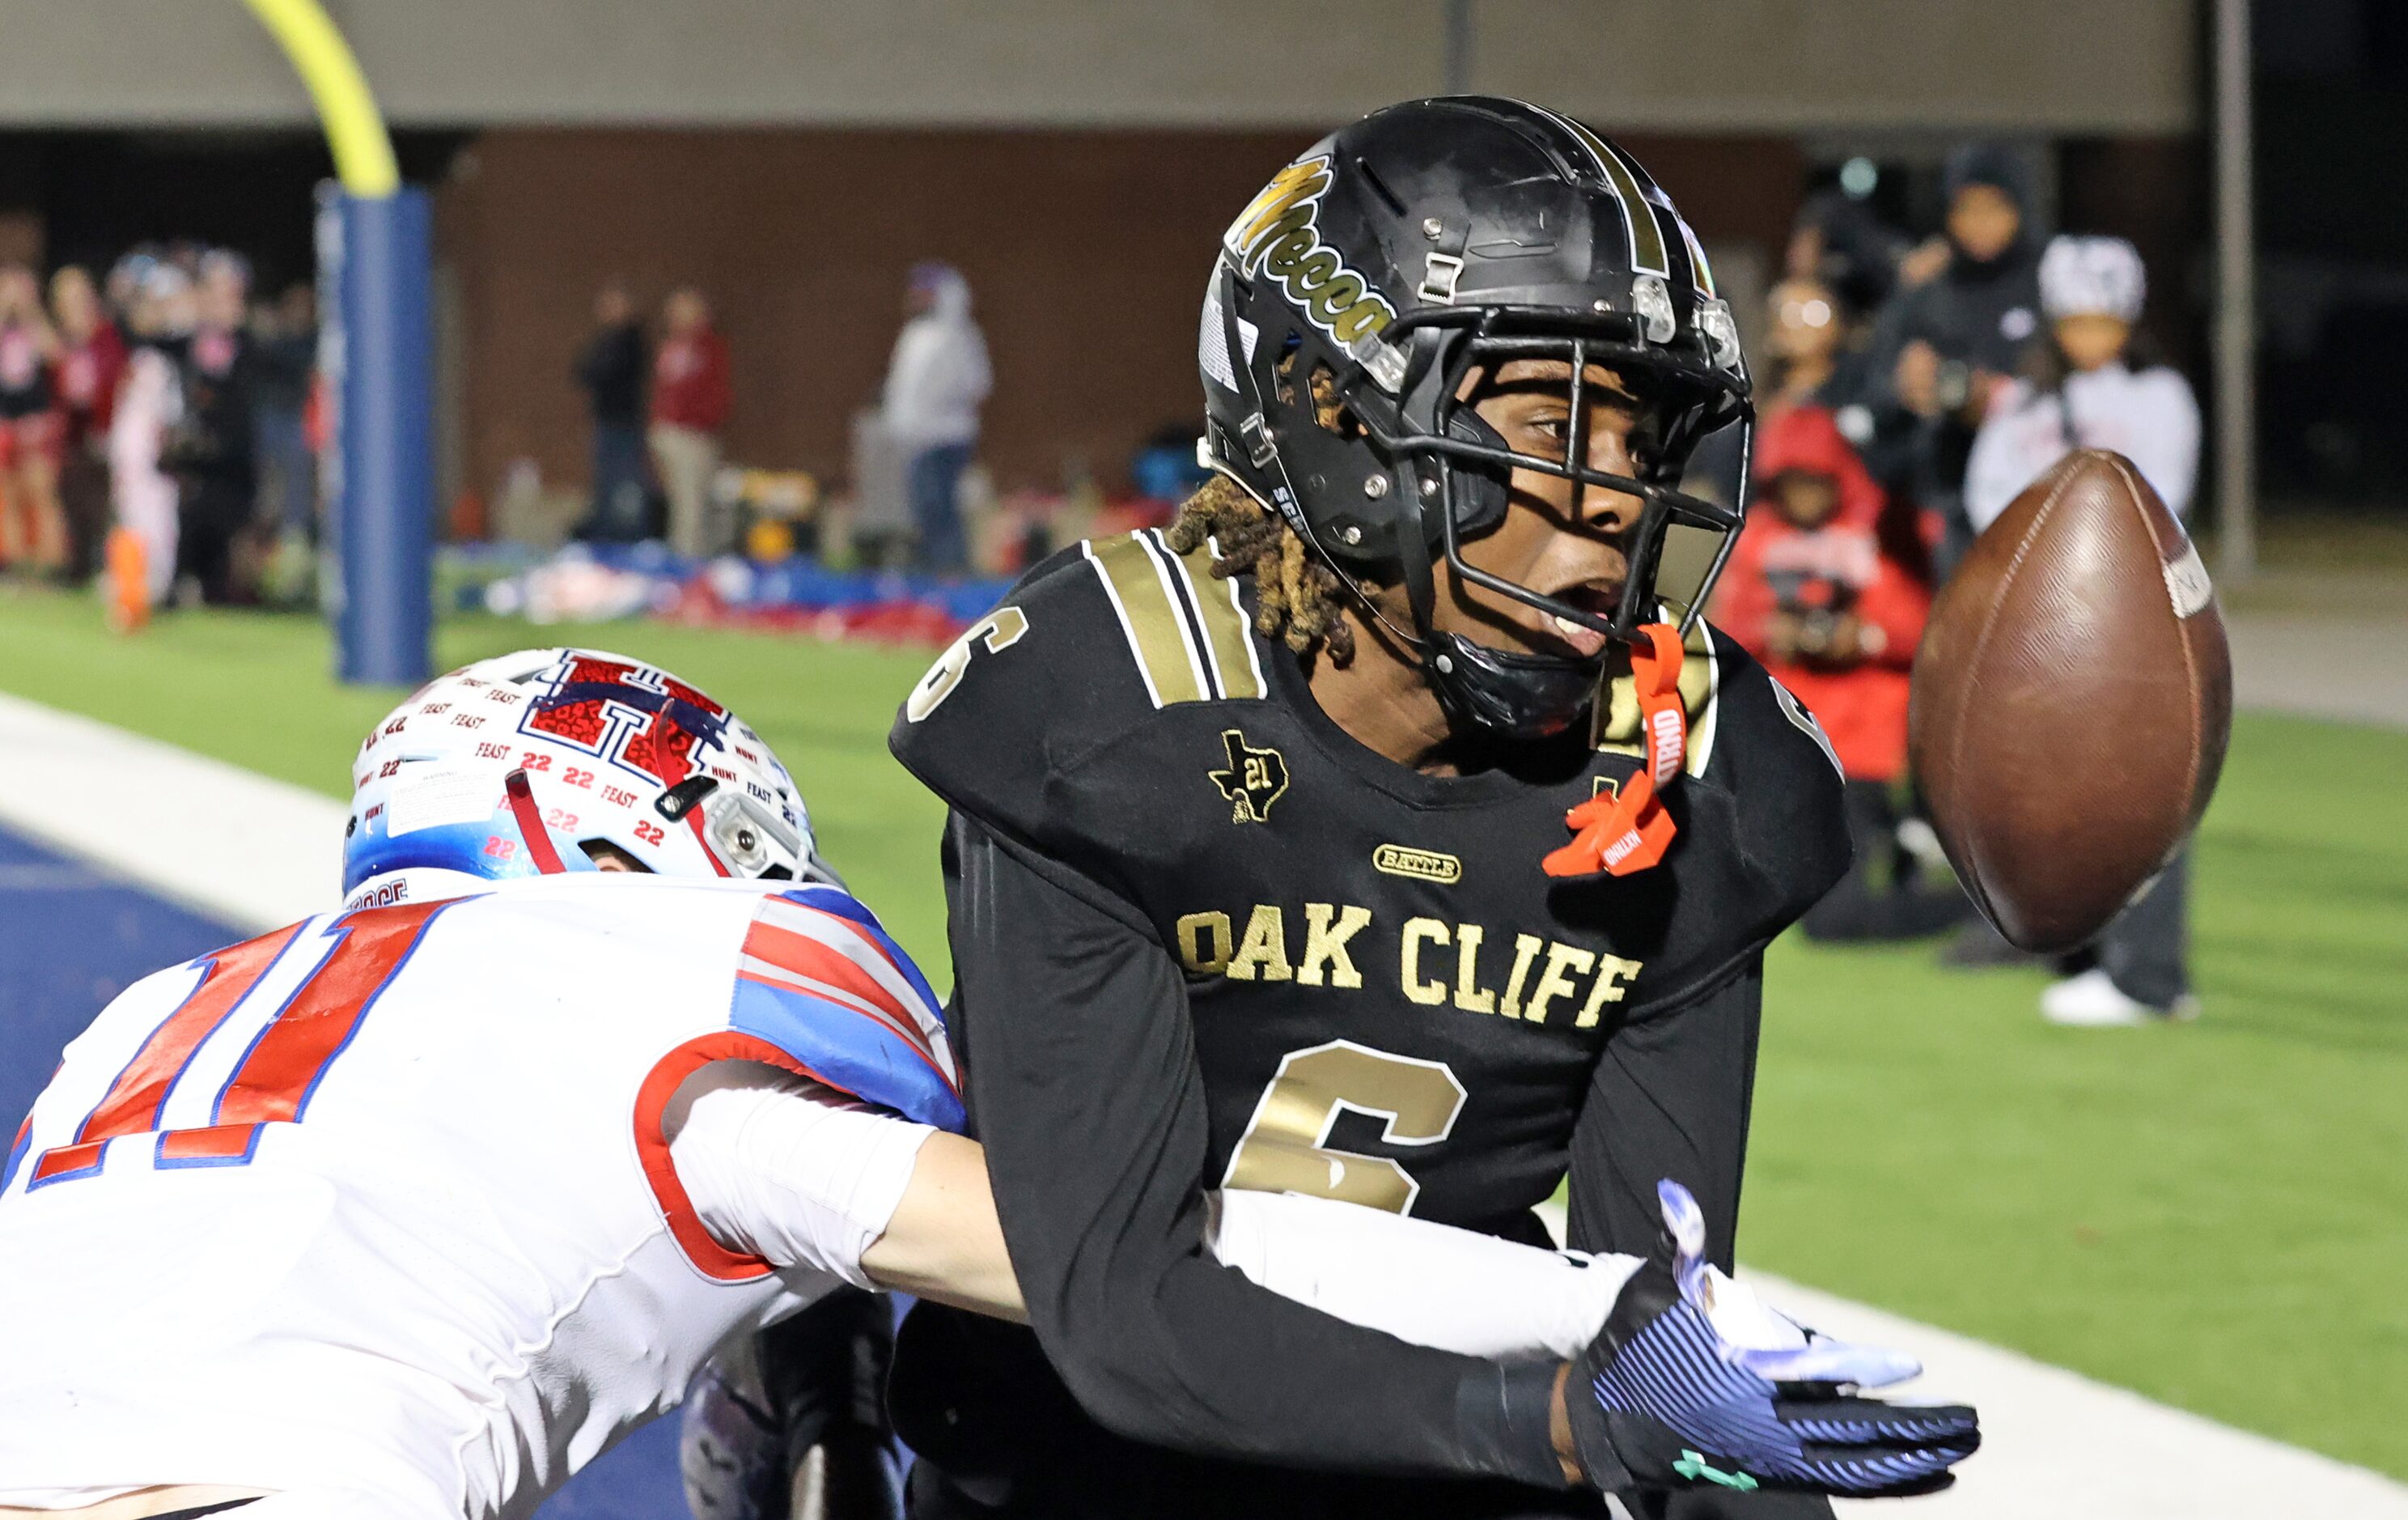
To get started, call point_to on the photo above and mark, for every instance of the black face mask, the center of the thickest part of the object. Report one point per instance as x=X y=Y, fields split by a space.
x=1521 y=698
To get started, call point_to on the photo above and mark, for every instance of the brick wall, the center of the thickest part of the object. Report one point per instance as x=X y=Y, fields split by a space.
x=1086 y=252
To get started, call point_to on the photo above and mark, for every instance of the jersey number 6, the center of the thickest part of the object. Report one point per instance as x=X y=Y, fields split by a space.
x=1285 y=1148
x=1000 y=629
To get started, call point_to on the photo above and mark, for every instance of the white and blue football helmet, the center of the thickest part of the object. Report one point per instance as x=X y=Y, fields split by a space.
x=526 y=764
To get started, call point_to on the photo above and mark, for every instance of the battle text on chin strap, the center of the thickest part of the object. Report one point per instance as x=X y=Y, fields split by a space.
x=1619 y=833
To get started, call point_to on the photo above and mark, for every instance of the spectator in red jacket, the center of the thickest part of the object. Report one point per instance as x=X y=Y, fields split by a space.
x=1813 y=594
x=690 y=405
x=89 y=361
x=32 y=527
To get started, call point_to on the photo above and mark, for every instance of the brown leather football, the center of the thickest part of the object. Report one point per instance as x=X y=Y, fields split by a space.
x=2072 y=697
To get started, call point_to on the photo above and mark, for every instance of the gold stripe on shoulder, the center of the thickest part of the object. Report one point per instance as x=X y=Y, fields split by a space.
x=1227 y=640
x=1157 y=635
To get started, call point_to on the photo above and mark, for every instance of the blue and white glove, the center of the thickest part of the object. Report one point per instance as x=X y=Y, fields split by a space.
x=1694 y=1380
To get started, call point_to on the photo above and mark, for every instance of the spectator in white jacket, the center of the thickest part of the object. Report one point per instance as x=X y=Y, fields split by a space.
x=2096 y=389
x=934 y=385
x=150 y=405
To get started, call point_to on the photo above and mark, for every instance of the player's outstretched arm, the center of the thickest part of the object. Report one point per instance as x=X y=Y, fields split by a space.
x=1670 y=1101
x=1683 y=1375
x=1681 y=1378
x=944 y=1242
x=778 y=1167
x=1432 y=1284
x=1425 y=1284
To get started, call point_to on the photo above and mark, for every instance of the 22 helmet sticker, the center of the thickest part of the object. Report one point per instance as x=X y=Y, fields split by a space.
x=1278 y=235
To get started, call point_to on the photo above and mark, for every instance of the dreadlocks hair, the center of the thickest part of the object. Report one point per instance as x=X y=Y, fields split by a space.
x=1298 y=598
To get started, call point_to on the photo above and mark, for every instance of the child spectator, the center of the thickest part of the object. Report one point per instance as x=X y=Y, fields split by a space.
x=149 y=405
x=90 y=360
x=1811 y=592
x=2096 y=385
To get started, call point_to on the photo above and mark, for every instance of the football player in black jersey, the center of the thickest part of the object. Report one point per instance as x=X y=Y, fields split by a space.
x=1259 y=862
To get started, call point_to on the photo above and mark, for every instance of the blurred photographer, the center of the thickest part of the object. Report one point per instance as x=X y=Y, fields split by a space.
x=1835 y=617
x=212 y=450
x=1942 y=349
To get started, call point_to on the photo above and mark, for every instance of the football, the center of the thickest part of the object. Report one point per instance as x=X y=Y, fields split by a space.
x=2072 y=700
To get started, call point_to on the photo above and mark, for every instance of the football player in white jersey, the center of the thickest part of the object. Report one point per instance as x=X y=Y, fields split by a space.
x=413 y=1207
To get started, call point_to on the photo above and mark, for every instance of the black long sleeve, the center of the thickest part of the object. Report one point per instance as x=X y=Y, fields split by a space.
x=1072 y=1022
x=613 y=370
x=1670 y=1098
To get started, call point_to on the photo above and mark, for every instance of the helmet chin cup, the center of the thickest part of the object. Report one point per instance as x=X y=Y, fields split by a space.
x=1521 y=698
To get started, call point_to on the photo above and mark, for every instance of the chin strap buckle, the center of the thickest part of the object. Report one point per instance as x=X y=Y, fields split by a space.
x=1256 y=436
x=1624 y=832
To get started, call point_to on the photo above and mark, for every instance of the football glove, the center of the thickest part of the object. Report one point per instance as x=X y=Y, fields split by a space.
x=1694 y=1380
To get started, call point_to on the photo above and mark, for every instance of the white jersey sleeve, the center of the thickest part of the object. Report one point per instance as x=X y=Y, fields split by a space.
x=1428 y=1283
x=782 y=1168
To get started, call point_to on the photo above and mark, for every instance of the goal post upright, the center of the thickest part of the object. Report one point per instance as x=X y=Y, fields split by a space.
x=377 y=351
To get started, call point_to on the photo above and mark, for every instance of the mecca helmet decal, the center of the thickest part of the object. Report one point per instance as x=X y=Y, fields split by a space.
x=1385 y=264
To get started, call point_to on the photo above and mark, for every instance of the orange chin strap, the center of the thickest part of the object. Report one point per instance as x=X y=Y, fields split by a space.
x=1621 y=833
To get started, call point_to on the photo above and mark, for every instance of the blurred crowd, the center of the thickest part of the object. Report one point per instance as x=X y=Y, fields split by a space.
x=159 y=424
x=658 y=413
x=1912 y=390
x=657 y=416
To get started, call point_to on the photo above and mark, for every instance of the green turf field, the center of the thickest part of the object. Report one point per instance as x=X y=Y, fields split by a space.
x=2214 y=1214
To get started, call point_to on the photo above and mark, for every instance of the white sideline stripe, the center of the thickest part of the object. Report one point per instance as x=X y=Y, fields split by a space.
x=256 y=852
x=2346 y=670
x=261 y=853
x=2058 y=1447
x=2057 y=1444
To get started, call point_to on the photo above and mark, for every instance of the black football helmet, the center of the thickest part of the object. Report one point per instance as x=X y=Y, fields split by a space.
x=1384 y=265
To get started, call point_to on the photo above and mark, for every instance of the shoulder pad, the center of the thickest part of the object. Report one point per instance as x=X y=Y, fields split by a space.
x=1186 y=630
x=1088 y=645
x=1766 y=729
x=821 y=981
